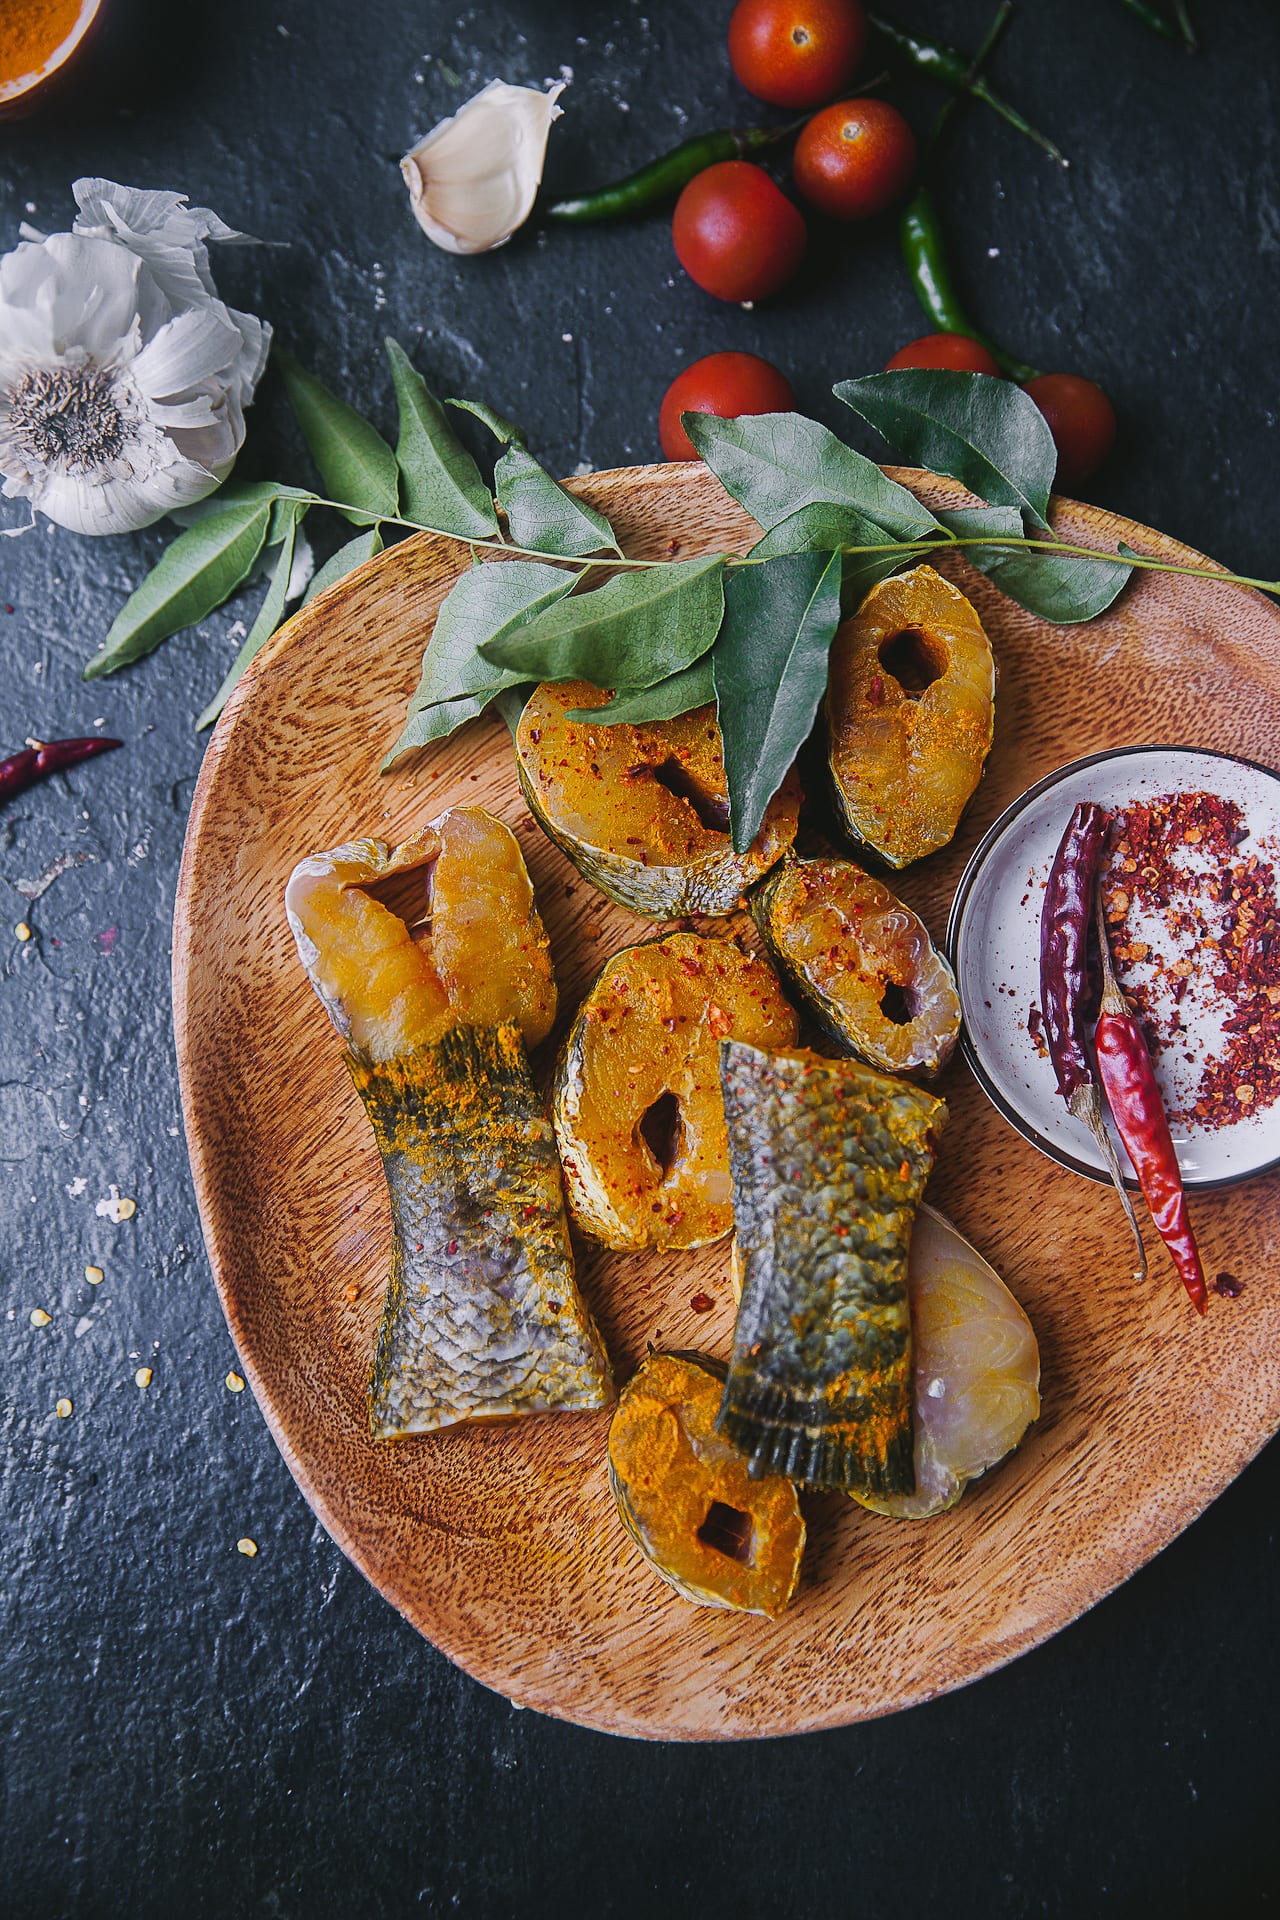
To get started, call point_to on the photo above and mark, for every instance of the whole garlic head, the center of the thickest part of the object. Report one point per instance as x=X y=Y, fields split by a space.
x=474 y=178
x=123 y=376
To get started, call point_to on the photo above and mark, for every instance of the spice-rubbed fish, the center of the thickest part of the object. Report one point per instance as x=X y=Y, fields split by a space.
x=434 y=967
x=829 y=1160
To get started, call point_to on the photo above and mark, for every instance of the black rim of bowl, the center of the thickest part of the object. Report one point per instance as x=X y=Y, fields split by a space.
x=955 y=921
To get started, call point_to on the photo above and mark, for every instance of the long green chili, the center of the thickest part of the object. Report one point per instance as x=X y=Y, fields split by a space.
x=955 y=69
x=924 y=250
x=662 y=179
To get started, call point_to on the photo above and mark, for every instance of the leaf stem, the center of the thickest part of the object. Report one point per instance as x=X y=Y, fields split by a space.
x=1014 y=542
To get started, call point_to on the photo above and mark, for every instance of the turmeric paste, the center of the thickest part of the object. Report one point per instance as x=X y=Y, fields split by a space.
x=30 y=32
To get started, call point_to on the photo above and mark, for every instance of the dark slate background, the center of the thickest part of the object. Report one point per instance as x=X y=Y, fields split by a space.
x=185 y=1729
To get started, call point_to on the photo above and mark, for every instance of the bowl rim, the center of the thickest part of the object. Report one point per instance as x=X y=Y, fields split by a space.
x=955 y=922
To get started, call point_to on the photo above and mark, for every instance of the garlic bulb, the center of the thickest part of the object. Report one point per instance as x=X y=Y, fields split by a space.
x=123 y=377
x=473 y=179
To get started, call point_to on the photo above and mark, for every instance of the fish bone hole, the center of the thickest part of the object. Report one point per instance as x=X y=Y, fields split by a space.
x=914 y=659
x=895 y=1004
x=407 y=894
x=728 y=1531
x=660 y=1127
x=711 y=808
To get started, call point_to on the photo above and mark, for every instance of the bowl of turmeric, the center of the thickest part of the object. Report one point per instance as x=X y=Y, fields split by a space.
x=37 y=39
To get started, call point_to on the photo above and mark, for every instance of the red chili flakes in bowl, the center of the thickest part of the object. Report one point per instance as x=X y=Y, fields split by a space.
x=1178 y=858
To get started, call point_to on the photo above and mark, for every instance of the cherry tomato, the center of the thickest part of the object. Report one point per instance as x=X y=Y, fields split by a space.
x=737 y=234
x=1081 y=419
x=796 y=53
x=855 y=159
x=726 y=384
x=954 y=350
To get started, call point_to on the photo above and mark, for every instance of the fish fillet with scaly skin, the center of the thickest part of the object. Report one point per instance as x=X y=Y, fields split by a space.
x=483 y=1319
x=829 y=1160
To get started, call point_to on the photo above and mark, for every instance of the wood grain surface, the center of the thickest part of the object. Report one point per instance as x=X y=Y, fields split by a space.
x=501 y=1544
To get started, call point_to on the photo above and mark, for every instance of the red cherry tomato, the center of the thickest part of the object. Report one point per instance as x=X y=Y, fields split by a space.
x=726 y=384
x=796 y=53
x=855 y=159
x=737 y=234
x=954 y=350
x=1081 y=419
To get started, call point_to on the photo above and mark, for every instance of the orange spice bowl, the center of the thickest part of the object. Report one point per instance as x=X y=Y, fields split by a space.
x=40 y=36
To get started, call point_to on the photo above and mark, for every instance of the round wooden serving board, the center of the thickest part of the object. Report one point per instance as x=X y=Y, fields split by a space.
x=501 y=1543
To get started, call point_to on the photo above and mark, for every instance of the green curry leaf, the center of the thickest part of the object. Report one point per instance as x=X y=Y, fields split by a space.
x=439 y=481
x=490 y=603
x=984 y=432
x=354 y=461
x=637 y=629
x=778 y=465
x=544 y=515
x=192 y=577
x=269 y=617
x=681 y=692
x=770 y=667
x=1062 y=587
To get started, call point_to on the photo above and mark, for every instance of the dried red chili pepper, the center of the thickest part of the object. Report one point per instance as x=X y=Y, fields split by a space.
x=1133 y=1094
x=22 y=770
x=1064 y=985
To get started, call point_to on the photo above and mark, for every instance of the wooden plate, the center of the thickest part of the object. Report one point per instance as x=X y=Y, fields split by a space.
x=501 y=1543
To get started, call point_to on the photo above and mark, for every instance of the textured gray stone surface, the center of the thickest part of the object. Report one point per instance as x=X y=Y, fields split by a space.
x=186 y=1729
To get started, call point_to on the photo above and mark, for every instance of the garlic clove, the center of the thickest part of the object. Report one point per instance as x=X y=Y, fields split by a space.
x=474 y=178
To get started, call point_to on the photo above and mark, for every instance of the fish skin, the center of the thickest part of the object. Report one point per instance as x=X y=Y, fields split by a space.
x=820 y=1383
x=497 y=1327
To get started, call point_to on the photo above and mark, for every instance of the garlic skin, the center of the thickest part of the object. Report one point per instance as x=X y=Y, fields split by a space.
x=123 y=376
x=474 y=178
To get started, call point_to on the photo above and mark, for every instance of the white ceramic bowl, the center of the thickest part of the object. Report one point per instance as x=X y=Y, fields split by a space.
x=993 y=940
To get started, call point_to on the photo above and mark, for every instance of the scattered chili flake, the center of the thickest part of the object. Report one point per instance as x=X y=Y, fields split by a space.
x=1228 y=1286
x=234 y=1384
x=353 y=1291
x=702 y=1303
x=592 y=929
x=247 y=1547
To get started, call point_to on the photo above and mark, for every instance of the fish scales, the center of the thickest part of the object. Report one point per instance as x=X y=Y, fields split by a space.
x=829 y=1160
x=483 y=1318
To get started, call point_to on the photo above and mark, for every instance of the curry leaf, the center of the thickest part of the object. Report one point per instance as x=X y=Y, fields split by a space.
x=777 y=464
x=269 y=616
x=355 y=463
x=637 y=629
x=489 y=603
x=497 y=423
x=440 y=482
x=984 y=432
x=542 y=514
x=1061 y=587
x=344 y=561
x=770 y=666
x=679 y=693
x=191 y=578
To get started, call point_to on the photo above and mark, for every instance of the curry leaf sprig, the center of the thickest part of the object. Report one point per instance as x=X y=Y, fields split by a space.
x=750 y=632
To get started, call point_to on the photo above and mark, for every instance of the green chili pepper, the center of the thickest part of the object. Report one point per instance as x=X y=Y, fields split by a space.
x=663 y=178
x=923 y=249
x=1152 y=17
x=955 y=69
